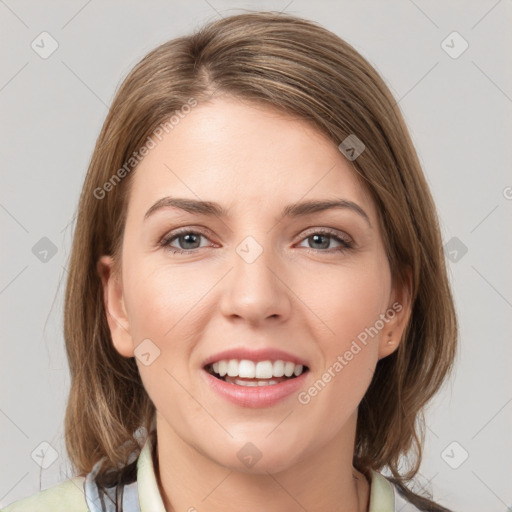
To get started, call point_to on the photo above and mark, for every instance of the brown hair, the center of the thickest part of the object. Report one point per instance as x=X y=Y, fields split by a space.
x=299 y=68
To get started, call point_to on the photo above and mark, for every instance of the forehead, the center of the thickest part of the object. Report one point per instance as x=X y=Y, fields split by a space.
x=244 y=156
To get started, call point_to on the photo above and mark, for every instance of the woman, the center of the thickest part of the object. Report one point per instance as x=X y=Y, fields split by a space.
x=283 y=359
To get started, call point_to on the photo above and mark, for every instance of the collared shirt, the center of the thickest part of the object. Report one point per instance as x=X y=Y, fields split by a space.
x=78 y=494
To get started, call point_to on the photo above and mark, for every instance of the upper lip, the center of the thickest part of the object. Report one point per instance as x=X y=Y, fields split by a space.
x=266 y=354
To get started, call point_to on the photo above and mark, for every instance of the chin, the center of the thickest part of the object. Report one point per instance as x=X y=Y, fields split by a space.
x=257 y=457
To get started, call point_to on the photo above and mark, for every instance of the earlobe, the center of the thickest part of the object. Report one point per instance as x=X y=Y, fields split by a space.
x=398 y=314
x=115 y=310
x=388 y=345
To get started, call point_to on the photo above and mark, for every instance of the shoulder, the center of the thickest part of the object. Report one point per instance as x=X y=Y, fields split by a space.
x=68 y=496
x=402 y=504
x=385 y=496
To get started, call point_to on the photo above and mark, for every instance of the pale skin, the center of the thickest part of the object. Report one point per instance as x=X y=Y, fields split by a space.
x=300 y=295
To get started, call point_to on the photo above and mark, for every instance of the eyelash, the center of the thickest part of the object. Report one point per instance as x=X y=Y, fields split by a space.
x=166 y=241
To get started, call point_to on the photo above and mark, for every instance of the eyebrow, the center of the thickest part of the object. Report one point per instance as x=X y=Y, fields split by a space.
x=210 y=208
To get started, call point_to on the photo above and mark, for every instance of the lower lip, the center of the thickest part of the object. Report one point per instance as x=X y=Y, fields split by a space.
x=255 y=396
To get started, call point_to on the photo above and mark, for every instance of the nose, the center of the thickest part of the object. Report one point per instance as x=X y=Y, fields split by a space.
x=255 y=289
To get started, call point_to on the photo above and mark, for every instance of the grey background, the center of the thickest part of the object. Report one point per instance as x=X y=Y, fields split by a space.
x=459 y=114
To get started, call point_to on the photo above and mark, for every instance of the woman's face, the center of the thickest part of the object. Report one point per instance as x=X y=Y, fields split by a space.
x=267 y=280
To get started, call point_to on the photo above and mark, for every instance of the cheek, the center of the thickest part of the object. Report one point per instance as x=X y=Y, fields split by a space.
x=349 y=333
x=165 y=306
x=350 y=299
x=349 y=353
x=160 y=307
x=355 y=310
x=159 y=299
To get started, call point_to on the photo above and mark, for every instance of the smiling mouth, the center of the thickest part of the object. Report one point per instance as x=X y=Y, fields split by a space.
x=250 y=373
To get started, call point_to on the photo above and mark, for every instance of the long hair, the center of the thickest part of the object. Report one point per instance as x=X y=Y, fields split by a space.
x=299 y=68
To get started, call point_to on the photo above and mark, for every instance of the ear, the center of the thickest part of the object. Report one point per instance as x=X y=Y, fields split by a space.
x=397 y=316
x=115 y=310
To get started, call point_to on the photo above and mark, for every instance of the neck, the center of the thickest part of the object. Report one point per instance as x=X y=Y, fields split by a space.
x=325 y=480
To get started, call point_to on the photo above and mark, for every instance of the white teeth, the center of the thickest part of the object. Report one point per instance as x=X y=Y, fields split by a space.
x=278 y=369
x=254 y=383
x=223 y=368
x=256 y=370
x=232 y=368
x=288 y=369
x=264 y=370
x=247 y=369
